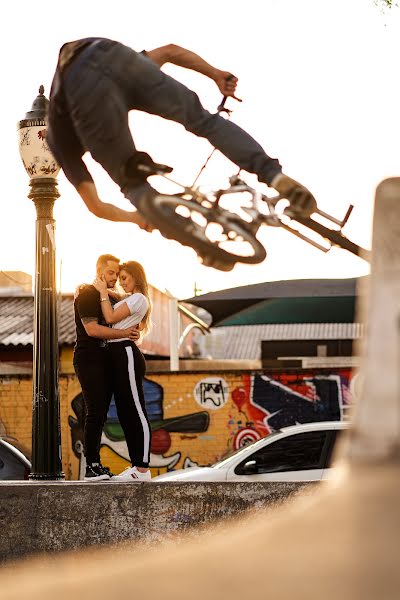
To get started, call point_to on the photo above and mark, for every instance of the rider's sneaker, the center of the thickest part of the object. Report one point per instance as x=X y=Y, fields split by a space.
x=132 y=475
x=301 y=206
x=95 y=472
x=140 y=166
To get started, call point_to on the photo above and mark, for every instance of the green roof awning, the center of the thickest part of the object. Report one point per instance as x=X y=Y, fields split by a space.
x=287 y=301
x=296 y=310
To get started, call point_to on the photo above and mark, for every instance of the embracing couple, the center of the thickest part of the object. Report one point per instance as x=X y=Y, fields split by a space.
x=108 y=362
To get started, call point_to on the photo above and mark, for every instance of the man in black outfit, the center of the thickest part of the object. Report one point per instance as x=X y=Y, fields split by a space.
x=92 y=364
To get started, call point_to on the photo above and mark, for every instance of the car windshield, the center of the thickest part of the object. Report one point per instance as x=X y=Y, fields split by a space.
x=226 y=459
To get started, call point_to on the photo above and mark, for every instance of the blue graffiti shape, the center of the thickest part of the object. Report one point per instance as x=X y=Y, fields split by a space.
x=287 y=407
x=154 y=395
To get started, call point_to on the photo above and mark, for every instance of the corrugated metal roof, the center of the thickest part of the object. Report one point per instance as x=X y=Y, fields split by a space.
x=244 y=341
x=16 y=320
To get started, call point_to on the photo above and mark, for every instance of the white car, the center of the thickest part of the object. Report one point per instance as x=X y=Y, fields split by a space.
x=296 y=453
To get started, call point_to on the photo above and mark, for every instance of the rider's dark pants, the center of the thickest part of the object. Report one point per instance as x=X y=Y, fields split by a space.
x=108 y=79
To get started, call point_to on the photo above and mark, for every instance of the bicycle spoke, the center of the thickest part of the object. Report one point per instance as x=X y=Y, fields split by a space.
x=212 y=229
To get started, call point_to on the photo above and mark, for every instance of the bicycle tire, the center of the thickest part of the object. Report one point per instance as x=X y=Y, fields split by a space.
x=159 y=210
x=334 y=236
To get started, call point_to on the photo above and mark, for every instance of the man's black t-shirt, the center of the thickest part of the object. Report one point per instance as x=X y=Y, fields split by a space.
x=87 y=305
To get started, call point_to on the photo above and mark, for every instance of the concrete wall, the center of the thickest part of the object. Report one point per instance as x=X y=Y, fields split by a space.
x=196 y=417
x=53 y=517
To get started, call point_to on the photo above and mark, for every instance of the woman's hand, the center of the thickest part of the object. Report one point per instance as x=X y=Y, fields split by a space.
x=100 y=285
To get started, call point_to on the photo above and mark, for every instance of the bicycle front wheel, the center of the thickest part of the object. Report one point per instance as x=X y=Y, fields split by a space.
x=220 y=237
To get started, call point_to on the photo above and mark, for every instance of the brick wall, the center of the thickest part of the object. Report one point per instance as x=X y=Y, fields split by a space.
x=196 y=416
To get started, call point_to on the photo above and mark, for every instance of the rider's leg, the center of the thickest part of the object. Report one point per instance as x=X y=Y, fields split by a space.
x=152 y=91
x=102 y=86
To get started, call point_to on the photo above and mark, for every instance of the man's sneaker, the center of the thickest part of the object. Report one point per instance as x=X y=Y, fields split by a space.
x=132 y=475
x=95 y=472
x=106 y=470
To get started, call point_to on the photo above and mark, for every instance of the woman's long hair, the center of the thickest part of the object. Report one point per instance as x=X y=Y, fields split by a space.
x=136 y=270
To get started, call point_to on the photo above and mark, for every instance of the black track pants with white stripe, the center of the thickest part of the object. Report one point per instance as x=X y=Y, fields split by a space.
x=129 y=368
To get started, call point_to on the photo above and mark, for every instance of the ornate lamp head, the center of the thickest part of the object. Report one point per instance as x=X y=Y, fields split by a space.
x=33 y=148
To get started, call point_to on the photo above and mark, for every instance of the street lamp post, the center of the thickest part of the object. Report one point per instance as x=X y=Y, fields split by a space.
x=42 y=169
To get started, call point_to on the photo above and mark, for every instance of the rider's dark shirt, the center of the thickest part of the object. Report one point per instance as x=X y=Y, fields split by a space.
x=61 y=135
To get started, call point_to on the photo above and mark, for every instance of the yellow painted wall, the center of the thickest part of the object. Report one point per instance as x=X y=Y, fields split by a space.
x=231 y=415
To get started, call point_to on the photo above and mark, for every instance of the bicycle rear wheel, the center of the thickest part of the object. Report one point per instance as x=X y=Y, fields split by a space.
x=335 y=237
x=190 y=227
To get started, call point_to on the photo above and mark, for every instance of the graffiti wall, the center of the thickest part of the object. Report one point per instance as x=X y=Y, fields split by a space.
x=196 y=418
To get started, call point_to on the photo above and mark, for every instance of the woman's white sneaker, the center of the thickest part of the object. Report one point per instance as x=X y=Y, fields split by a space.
x=132 y=475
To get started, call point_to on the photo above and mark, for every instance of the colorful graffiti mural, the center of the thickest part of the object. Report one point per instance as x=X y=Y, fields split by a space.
x=270 y=403
x=236 y=411
x=113 y=446
x=196 y=417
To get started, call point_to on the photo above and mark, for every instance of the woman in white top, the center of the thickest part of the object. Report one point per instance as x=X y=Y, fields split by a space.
x=129 y=366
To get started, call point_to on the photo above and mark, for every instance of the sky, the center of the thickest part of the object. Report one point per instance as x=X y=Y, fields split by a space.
x=319 y=83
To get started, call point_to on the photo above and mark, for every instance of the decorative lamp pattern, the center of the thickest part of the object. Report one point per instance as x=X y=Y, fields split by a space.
x=33 y=148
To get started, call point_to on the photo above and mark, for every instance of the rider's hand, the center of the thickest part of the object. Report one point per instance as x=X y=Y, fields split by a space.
x=302 y=202
x=133 y=333
x=227 y=83
x=141 y=222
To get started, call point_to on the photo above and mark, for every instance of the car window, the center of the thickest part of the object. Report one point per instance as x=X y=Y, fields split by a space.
x=230 y=455
x=299 y=452
x=11 y=466
x=330 y=455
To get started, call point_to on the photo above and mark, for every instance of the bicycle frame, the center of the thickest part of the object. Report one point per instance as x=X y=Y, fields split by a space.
x=277 y=219
x=285 y=218
x=332 y=237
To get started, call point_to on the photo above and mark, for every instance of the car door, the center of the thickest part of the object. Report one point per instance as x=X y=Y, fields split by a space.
x=335 y=435
x=294 y=457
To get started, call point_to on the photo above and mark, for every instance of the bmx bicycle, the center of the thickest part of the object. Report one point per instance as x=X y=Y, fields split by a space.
x=223 y=236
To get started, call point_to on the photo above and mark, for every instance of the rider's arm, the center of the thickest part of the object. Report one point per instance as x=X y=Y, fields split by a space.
x=171 y=53
x=88 y=192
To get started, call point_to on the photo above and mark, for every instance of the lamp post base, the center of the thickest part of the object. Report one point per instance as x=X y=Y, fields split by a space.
x=47 y=476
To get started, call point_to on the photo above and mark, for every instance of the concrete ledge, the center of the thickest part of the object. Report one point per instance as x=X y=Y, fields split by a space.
x=38 y=517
